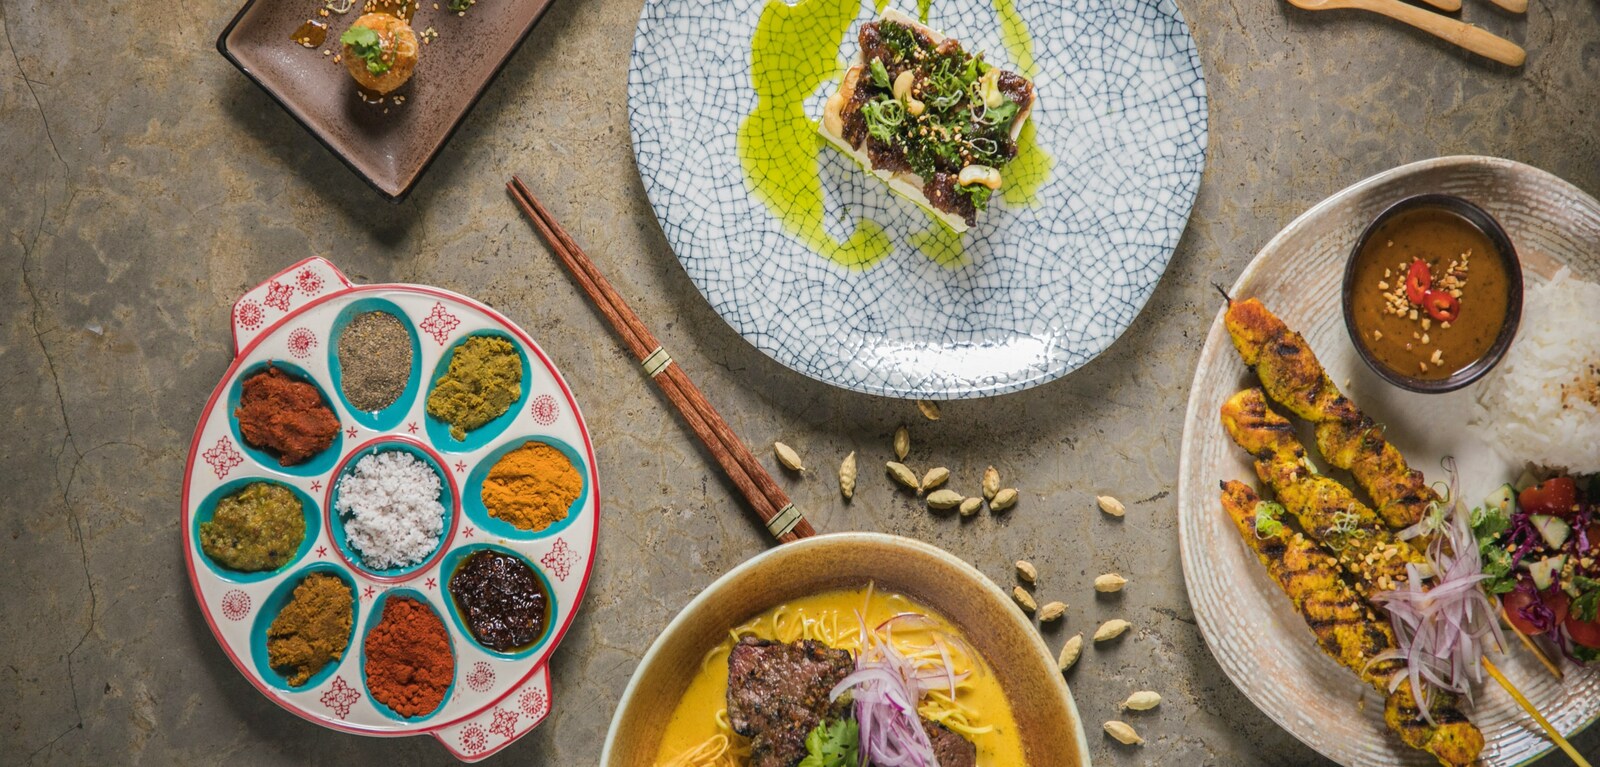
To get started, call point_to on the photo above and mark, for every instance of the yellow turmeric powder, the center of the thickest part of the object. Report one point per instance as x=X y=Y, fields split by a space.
x=531 y=487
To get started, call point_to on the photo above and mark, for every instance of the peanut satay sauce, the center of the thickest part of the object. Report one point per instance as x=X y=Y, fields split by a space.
x=1461 y=261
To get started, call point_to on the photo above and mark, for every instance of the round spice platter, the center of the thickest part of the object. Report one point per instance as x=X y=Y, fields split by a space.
x=483 y=693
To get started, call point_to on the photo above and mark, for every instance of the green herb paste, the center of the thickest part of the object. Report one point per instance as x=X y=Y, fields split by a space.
x=484 y=379
x=258 y=528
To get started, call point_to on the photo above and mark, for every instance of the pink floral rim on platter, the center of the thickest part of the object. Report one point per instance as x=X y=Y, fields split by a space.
x=292 y=320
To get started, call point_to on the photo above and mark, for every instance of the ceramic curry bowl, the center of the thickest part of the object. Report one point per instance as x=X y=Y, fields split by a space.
x=1046 y=716
x=294 y=322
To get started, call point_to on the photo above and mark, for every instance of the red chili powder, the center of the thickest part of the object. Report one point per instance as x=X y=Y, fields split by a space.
x=284 y=416
x=409 y=665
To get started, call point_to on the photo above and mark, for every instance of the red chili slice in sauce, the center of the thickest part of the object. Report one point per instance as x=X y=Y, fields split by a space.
x=1419 y=278
x=1440 y=305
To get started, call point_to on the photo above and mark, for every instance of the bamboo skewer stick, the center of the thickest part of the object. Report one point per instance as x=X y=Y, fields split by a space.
x=769 y=501
x=1549 y=729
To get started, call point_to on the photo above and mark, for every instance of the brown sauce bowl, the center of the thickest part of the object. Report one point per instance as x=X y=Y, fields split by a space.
x=1503 y=251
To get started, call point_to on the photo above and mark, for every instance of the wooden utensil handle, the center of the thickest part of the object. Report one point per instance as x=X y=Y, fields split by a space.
x=1451 y=6
x=1472 y=38
x=1514 y=6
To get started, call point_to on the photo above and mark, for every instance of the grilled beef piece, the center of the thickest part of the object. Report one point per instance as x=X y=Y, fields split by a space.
x=941 y=193
x=952 y=749
x=887 y=157
x=1015 y=87
x=778 y=693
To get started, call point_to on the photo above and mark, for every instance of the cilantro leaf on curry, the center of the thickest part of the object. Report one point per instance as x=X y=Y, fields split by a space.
x=833 y=745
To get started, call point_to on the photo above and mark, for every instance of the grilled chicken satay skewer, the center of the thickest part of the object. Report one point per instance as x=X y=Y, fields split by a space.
x=1347 y=631
x=1346 y=437
x=1325 y=509
x=1281 y=464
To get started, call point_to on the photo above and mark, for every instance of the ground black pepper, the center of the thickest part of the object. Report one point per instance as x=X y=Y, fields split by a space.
x=374 y=360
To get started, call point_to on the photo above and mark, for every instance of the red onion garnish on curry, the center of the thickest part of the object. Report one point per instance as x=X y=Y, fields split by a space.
x=886 y=687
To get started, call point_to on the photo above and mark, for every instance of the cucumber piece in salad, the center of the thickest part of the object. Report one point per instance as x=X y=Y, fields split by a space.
x=1553 y=530
x=1544 y=571
x=1526 y=480
x=1504 y=499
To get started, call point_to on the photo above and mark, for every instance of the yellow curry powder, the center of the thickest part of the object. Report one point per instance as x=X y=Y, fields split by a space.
x=312 y=630
x=532 y=487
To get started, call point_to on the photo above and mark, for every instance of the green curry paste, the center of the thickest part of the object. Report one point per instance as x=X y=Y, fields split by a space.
x=484 y=379
x=258 y=528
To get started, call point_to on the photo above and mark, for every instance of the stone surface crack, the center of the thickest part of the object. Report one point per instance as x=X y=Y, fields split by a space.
x=1173 y=614
x=66 y=501
x=5 y=22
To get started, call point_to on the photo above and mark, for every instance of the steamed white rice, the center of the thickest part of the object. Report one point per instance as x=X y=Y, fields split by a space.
x=1542 y=405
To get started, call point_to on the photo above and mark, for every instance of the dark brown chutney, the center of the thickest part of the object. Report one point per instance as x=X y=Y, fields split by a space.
x=502 y=600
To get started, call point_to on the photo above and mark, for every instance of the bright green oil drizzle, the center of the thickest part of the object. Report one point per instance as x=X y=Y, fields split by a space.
x=1027 y=173
x=795 y=51
x=1014 y=33
x=941 y=245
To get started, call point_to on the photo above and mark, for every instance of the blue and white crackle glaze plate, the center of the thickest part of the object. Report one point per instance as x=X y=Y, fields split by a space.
x=1031 y=293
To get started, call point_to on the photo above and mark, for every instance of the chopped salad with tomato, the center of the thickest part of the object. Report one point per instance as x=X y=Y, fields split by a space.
x=1540 y=544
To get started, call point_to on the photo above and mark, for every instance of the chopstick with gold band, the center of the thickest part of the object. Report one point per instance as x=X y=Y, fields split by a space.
x=777 y=513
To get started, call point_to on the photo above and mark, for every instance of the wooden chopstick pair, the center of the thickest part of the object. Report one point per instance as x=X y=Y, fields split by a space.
x=770 y=503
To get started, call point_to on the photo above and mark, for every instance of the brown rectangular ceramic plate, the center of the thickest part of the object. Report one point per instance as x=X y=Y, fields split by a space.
x=389 y=150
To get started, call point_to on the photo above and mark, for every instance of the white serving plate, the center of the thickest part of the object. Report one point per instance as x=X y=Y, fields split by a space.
x=1258 y=638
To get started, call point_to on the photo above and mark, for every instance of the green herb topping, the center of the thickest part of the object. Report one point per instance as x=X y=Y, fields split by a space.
x=884 y=117
x=833 y=745
x=1268 y=515
x=366 y=43
x=946 y=121
x=880 y=76
x=1586 y=604
x=979 y=194
x=1488 y=523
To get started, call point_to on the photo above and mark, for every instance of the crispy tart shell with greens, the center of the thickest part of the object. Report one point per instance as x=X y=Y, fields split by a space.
x=935 y=123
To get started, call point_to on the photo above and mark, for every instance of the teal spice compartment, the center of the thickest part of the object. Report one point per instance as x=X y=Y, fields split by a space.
x=447 y=499
x=310 y=511
x=457 y=557
x=274 y=604
x=472 y=491
x=439 y=430
x=373 y=619
x=389 y=417
x=319 y=463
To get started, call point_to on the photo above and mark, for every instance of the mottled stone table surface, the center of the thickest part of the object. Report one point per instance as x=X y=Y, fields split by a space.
x=144 y=184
